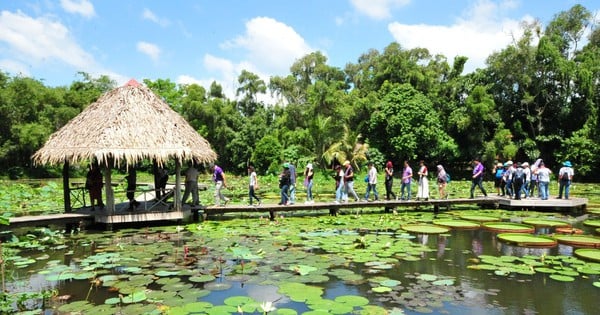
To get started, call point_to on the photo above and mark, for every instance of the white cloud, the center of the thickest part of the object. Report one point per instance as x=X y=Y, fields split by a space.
x=14 y=67
x=147 y=14
x=479 y=33
x=41 y=42
x=378 y=9
x=83 y=7
x=149 y=49
x=270 y=45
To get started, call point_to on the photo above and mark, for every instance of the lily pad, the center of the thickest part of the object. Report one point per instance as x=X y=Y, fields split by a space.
x=503 y=227
x=568 y=230
x=352 y=300
x=425 y=228
x=457 y=224
x=592 y=223
x=479 y=218
x=588 y=253
x=546 y=223
x=527 y=240
x=202 y=278
x=596 y=284
x=381 y=289
x=579 y=240
x=562 y=278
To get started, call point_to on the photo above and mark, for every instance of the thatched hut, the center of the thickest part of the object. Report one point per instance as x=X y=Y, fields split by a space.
x=123 y=127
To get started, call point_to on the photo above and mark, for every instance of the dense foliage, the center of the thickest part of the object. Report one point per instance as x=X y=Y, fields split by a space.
x=537 y=97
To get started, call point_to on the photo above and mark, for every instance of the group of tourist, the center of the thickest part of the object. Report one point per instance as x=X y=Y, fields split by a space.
x=521 y=180
x=514 y=180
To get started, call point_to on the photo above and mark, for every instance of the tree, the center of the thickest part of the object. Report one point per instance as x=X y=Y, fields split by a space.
x=404 y=125
x=350 y=147
x=250 y=85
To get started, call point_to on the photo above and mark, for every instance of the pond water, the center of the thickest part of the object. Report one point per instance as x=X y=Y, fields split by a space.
x=305 y=265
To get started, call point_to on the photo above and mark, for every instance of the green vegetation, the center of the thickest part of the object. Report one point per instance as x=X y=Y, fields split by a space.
x=537 y=97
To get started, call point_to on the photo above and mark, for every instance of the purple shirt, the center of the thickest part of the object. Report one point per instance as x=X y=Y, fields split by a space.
x=478 y=169
x=218 y=174
x=407 y=172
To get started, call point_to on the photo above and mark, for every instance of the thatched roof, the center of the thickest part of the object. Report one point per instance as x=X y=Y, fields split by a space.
x=126 y=125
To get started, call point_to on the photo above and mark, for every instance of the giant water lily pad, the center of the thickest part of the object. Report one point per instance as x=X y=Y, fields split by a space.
x=503 y=227
x=588 y=253
x=457 y=224
x=527 y=240
x=579 y=240
x=592 y=223
x=425 y=228
x=479 y=218
x=546 y=223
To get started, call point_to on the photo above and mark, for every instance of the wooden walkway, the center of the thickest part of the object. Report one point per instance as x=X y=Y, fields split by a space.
x=152 y=211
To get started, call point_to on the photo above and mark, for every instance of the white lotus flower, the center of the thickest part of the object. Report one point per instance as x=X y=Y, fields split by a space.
x=267 y=307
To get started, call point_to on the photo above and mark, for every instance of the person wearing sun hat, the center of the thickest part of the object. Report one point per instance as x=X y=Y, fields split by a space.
x=565 y=175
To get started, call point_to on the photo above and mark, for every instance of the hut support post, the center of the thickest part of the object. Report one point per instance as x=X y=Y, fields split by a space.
x=66 y=187
x=177 y=192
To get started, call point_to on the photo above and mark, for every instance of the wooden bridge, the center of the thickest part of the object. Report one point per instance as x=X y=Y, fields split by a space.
x=159 y=211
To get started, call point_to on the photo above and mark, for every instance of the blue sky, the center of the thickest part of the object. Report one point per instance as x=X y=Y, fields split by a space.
x=200 y=41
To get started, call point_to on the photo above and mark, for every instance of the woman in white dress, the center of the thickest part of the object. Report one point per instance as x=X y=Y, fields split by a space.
x=423 y=189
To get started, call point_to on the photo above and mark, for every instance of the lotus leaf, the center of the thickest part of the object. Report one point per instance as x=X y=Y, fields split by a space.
x=285 y=311
x=457 y=224
x=561 y=278
x=502 y=227
x=202 y=278
x=546 y=223
x=579 y=240
x=545 y=270
x=166 y=273
x=425 y=228
x=135 y=297
x=592 y=222
x=596 y=284
x=390 y=283
x=381 y=289
x=589 y=254
x=527 y=240
x=479 y=218
x=238 y=300
x=352 y=300
x=198 y=307
x=302 y=269
x=77 y=306
x=376 y=310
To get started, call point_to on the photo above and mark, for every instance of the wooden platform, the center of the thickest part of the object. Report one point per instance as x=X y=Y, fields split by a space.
x=45 y=219
x=335 y=208
x=160 y=211
x=538 y=204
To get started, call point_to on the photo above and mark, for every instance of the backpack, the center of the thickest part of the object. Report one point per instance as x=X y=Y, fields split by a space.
x=499 y=173
x=519 y=175
x=448 y=178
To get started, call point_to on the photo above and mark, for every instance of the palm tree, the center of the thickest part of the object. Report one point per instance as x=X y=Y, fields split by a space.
x=348 y=148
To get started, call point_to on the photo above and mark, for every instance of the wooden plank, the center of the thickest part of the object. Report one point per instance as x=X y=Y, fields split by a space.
x=138 y=217
x=45 y=219
x=349 y=205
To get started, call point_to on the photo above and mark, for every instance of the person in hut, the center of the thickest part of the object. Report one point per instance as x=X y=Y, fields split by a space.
x=191 y=184
x=93 y=184
x=131 y=185
x=161 y=176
